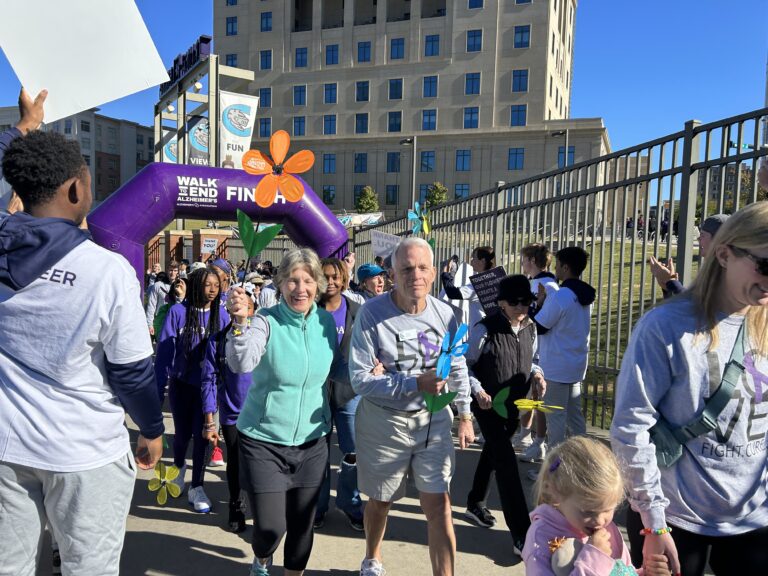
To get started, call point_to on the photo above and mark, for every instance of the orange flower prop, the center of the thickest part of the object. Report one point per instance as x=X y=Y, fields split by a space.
x=278 y=175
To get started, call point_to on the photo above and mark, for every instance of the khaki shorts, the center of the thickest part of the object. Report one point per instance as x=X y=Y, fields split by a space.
x=391 y=446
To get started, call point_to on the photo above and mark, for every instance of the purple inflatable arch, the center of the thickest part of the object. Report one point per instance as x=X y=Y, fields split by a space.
x=147 y=203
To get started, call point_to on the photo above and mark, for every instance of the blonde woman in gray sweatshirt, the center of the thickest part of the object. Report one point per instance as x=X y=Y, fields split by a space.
x=713 y=498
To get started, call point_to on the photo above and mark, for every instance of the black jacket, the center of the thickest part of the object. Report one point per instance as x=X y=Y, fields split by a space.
x=506 y=359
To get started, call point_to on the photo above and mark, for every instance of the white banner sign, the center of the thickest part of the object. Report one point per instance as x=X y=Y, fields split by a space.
x=209 y=245
x=238 y=115
x=383 y=244
x=170 y=146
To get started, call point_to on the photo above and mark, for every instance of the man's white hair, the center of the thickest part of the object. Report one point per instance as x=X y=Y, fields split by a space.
x=412 y=241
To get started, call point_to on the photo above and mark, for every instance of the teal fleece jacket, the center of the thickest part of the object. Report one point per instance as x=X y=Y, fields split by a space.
x=290 y=356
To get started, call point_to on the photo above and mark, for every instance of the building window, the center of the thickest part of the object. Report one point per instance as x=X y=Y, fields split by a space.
x=231 y=60
x=361 y=163
x=362 y=90
x=85 y=143
x=395 y=121
x=393 y=191
x=265 y=59
x=357 y=191
x=461 y=191
x=396 y=89
x=475 y=4
x=522 y=36
x=397 y=49
x=265 y=97
x=299 y=125
x=430 y=87
x=87 y=159
x=472 y=83
x=85 y=126
x=471 y=116
x=139 y=138
x=231 y=25
x=266 y=21
x=330 y=93
x=331 y=54
x=67 y=126
x=423 y=189
x=429 y=119
x=432 y=45
x=300 y=95
x=329 y=124
x=518 y=114
x=329 y=163
x=361 y=123
x=520 y=81
x=231 y=2
x=393 y=162
x=329 y=194
x=516 y=159
x=524 y=2
x=561 y=152
x=474 y=40
x=363 y=51
x=265 y=127
x=427 y=161
x=301 y=58
x=463 y=160
x=151 y=143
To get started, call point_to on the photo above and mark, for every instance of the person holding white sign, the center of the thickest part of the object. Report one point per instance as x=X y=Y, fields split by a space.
x=483 y=258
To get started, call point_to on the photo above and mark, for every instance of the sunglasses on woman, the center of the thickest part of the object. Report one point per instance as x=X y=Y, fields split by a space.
x=761 y=264
x=520 y=301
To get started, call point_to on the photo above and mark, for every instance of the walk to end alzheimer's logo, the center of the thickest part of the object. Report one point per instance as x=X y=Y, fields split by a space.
x=197 y=192
x=236 y=119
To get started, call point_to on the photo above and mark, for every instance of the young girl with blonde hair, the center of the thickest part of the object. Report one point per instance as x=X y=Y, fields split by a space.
x=572 y=530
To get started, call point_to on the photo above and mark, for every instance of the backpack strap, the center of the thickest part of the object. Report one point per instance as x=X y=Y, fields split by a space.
x=707 y=421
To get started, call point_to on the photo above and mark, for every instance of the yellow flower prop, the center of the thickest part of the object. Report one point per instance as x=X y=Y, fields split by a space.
x=162 y=484
x=526 y=405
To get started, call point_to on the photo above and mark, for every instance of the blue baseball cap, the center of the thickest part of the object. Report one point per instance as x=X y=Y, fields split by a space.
x=369 y=271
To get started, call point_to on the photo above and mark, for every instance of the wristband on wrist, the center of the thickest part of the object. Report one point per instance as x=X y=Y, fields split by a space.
x=466 y=417
x=238 y=329
x=656 y=532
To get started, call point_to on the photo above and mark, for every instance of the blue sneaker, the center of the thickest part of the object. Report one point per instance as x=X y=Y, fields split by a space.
x=259 y=569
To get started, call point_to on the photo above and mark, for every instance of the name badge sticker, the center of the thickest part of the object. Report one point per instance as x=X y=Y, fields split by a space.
x=407 y=335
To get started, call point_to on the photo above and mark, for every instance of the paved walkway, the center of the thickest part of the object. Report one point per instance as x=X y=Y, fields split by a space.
x=174 y=541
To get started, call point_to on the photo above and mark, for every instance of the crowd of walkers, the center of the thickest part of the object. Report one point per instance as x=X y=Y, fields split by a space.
x=268 y=362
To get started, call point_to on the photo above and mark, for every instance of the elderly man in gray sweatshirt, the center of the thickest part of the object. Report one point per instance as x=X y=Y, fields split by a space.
x=396 y=435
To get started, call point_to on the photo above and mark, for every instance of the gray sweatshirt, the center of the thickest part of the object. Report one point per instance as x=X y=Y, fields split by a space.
x=718 y=487
x=407 y=345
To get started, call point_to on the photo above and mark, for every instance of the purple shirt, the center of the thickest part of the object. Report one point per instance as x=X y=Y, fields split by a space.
x=340 y=317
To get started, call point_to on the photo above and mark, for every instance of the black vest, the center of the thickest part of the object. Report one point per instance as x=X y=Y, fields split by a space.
x=506 y=358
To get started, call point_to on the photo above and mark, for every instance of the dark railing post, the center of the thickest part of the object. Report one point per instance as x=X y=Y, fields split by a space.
x=688 y=192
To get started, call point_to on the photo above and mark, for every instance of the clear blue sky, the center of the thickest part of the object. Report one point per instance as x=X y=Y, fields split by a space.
x=644 y=67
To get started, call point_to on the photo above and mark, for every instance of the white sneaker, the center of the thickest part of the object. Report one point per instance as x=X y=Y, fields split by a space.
x=535 y=452
x=522 y=439
x=372 y=567
x=199 y=500
x=179 y=480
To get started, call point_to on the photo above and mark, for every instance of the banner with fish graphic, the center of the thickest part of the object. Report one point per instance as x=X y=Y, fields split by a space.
x=170 y=146
x=238 y=115
x=197 y=150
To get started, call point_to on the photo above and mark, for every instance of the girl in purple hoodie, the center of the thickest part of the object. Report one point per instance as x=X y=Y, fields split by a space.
x=572 y=530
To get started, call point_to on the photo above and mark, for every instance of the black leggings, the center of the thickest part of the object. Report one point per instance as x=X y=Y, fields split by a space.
x=498 y=455
x=233 y=461
x=745 y=554
x=289 y=514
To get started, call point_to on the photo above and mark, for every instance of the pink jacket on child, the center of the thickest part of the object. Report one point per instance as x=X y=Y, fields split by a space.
x=547 y=524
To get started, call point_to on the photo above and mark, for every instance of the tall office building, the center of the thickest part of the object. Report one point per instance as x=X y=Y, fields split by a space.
x=471 y=92
x=113 y=149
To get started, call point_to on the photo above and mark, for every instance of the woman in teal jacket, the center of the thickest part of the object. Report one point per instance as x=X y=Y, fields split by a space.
x=290 y=349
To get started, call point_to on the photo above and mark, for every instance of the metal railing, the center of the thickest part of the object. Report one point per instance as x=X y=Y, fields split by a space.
x=622 y=207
